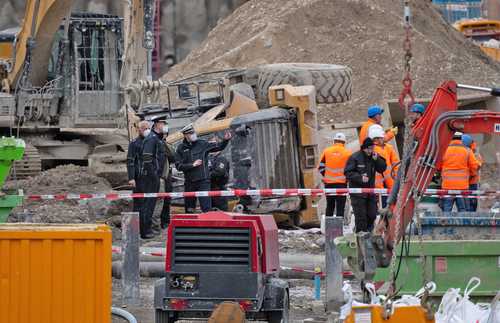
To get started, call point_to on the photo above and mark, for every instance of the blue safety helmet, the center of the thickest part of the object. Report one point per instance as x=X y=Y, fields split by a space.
x=418 y=108
x=467 y=140
x=374 y=110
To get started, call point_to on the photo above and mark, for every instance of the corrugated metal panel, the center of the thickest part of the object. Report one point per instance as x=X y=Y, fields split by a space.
x=56 y=274
x=275 y=157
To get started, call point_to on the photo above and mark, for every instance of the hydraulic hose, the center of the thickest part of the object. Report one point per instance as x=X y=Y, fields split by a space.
x=123 y=314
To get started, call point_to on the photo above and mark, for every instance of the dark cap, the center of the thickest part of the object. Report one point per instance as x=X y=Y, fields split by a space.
x=188 y=129
x=367 y=143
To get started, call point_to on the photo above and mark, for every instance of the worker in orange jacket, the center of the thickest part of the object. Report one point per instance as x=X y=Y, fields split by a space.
x=375 y=118
x=474 y=177
x=331 y=167
x=458 y=164
x=386 y=151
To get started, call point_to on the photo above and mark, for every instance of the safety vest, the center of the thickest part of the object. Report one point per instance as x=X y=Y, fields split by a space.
x=386 y=180
x=332 y=164
x=363 y=133
x=474 y=176
x=458 y=164
x=392 y=161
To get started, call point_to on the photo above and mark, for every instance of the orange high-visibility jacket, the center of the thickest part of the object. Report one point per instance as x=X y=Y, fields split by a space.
x=363 y=133
x=474 y=177
x=332 y=163
x=458 y=164
x=392 y=162
x=391 y=159
x=379 y=178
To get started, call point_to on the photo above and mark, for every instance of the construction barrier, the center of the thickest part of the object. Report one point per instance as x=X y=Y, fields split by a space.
x=260 y=193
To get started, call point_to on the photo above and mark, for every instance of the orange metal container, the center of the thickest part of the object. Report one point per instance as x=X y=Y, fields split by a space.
x=374 y=314
x=55 y=274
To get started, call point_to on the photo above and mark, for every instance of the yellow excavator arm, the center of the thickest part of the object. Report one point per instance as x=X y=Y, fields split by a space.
x=42 y=18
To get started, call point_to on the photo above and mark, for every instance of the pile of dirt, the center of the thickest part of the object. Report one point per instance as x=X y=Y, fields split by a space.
x=364 y=35
x=62 y=179
x=65 y=179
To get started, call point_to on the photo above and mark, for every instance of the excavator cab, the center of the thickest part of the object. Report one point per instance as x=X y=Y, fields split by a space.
x=82 y=87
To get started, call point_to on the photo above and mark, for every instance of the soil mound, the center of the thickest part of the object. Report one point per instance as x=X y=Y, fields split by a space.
x=364 y=35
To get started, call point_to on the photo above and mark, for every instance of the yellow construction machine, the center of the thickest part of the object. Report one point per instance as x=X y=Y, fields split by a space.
x=65 y=83
x=271 y=148
x=483 y=32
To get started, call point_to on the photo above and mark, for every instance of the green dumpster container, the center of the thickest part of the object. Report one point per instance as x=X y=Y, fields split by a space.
x=449 y=263
x=11 y=149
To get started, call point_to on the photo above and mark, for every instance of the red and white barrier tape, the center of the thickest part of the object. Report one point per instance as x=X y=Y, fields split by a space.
x=261 y=193
x=492 y=196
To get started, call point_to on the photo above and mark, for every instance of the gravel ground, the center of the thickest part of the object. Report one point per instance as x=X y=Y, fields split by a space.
x=301 y=298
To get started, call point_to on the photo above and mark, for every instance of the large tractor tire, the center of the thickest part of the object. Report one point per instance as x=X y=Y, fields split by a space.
x=332 y=82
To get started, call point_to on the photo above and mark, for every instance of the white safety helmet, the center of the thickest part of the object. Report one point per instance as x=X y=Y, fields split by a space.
x=376 y=131
x=339 y=136
x=458 y=134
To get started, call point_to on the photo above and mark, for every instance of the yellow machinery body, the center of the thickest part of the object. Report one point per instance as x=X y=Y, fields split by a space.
x=481 y=30
x=56 y=274
x=375 y=314
x=6 y=49
x=303 y=100
x=300 y=99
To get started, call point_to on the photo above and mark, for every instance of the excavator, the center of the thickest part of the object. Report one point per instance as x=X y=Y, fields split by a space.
x=429 y=137
x=65 y=80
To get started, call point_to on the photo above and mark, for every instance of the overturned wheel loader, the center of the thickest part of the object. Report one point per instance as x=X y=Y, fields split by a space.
x=275 y=141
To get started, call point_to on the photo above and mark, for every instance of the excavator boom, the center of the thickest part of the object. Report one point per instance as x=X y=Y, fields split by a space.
x=432 y=134
x=42 y=19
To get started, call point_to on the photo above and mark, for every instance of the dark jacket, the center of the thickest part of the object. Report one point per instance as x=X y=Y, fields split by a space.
x=219 y=171
x=188 y=153
x=154 y=154
x=358 y=164
x=134 y=158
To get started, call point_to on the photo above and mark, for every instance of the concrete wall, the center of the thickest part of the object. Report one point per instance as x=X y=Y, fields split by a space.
x=185 y=23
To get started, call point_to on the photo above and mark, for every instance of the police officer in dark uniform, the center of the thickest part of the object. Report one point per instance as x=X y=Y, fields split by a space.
x=167 y=180
x=154 y=157
x=192 y=160
x=134 y=163
x=219 y=176
x=360 y=172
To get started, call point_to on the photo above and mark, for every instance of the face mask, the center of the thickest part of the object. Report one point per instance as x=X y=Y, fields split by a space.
x=165 y=130
x=193 y=137
x=147 y=132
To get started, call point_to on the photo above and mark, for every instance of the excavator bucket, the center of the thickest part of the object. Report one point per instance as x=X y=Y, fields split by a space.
x=227 y=312
x=403 y=314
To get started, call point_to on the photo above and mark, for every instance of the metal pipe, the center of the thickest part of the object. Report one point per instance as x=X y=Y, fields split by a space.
x=493 y=91
x=474 y=88
x=123 y=314
x=149 y=65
